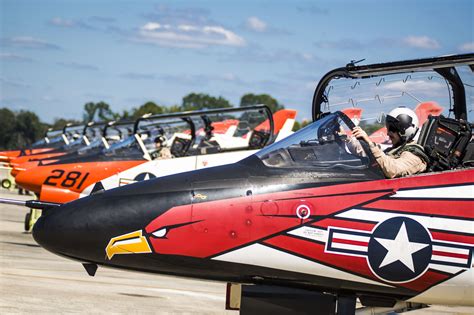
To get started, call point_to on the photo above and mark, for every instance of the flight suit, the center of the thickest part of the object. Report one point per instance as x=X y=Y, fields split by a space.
x=401 y=161
x=164 y=154
x=408 y=159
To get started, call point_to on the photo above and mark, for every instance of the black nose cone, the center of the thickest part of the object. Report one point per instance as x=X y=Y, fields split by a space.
x=82 y=229
x=68 y=230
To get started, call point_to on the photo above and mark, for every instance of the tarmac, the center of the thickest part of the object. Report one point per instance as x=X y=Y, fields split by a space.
x=33 y=280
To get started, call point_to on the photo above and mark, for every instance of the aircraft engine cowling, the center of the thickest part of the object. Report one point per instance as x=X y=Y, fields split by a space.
x=57 y=194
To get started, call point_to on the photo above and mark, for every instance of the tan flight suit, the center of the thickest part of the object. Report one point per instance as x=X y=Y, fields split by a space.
x=397 y=162
x=164 y=154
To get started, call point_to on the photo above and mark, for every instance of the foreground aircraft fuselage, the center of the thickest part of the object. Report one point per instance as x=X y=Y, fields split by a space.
x=306 y=212
x=336 y=230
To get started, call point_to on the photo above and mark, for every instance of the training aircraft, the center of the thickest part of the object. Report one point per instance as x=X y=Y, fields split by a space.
x=303 y=225
x=231 y=149
x=95 y=137
x=186 y=134
x=66 y=142
x=51 y=140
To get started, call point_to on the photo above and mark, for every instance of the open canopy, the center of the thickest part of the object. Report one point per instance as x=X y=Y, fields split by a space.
x=431 y=85
x=199 y=132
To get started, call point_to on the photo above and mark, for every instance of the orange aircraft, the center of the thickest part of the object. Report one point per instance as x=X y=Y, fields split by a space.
x=51 y=140
x=63 y=144
x=71 y=175
x=95 y=137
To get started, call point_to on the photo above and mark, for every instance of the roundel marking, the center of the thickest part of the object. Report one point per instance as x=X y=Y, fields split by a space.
x=399 y=250
x=144 y=176
x=303 y=212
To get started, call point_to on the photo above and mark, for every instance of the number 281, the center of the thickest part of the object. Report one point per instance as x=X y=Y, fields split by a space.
x=70 y=180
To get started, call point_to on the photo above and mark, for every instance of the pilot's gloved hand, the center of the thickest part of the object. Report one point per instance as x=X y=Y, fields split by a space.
x=359 y=133
x=341 y=131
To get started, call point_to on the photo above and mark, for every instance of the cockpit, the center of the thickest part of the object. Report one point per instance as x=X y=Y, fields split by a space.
x=198 y=133
x=320 y=145
x=53 y=138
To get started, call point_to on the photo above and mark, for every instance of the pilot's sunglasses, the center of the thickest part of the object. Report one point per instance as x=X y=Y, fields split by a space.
x=392 y=128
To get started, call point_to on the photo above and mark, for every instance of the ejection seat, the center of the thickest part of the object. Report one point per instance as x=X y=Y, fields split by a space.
x=447 y=142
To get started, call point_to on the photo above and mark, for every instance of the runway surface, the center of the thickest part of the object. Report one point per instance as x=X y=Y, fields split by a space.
x=33 y=280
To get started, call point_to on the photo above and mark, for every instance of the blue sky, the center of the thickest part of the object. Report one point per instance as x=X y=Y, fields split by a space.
x=57 y=55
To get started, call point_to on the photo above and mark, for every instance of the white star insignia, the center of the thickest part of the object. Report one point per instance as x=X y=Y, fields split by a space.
x=400 y=249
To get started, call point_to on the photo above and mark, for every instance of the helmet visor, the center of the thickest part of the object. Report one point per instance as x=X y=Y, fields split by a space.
x=392 y=124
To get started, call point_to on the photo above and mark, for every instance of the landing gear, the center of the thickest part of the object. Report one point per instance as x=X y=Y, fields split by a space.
x=264 y=299
x=31 y=218
x=6 y=183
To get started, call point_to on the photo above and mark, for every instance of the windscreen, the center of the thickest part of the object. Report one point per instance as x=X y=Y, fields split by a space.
x=368 y=101
x=94 y=132
x=240 y=130
x=129 y=148
x=467 y=78
x=73 y=133
x=52 y=137
x=324 y=144
x=158 y=133
x=118 y=132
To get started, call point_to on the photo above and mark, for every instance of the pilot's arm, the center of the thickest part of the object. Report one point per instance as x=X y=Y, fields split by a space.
x=165 y=153
x=407 y=164
x=354 y=147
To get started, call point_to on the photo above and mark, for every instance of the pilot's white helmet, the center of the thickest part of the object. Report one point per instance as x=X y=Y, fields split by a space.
x=404 y=121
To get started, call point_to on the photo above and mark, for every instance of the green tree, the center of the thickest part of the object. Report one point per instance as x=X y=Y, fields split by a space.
x=101 y=109
x=147 y=108
x=7 y=127
x=194 y=101
x=250 y=99
x=59 y=123
x=173 y=109
x=27 y=129
x=297 y=126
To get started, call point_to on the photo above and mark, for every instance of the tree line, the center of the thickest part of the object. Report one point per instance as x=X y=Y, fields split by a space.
x=19 y=129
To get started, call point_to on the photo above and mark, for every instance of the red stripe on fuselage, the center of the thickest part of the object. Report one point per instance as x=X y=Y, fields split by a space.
x=454 y=255
x=452 y=208
x=450 y=237
x=350 y=242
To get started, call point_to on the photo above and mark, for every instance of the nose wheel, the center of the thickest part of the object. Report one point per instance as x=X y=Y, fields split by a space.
x=31 y=218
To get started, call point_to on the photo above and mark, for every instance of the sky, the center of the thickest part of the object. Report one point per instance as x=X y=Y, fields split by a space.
x=57 y=55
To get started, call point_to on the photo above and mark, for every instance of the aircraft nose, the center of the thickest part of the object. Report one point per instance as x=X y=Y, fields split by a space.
x=28 y=179
x=82 y=229
x=64 y=230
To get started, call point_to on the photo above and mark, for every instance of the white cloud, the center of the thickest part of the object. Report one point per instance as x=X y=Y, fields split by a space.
x=416 y=85
x=187 y=35
x=255 y=24
x=29 y=42
x=467 y=47
x=421 y=42
x=57 y=21
x=78 y=66
x=14 y=57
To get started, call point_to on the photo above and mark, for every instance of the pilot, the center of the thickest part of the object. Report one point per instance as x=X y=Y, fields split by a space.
x=162 y=152
x=405 y=157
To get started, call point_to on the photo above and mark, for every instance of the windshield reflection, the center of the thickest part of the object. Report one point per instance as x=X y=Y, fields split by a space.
x=128 y=147
x=320 y=145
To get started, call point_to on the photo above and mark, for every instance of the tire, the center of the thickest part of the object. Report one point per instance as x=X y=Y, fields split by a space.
x=6 y=183
x=27 y=221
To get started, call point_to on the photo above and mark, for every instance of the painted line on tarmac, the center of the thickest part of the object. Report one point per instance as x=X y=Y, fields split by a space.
x=209 y=296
